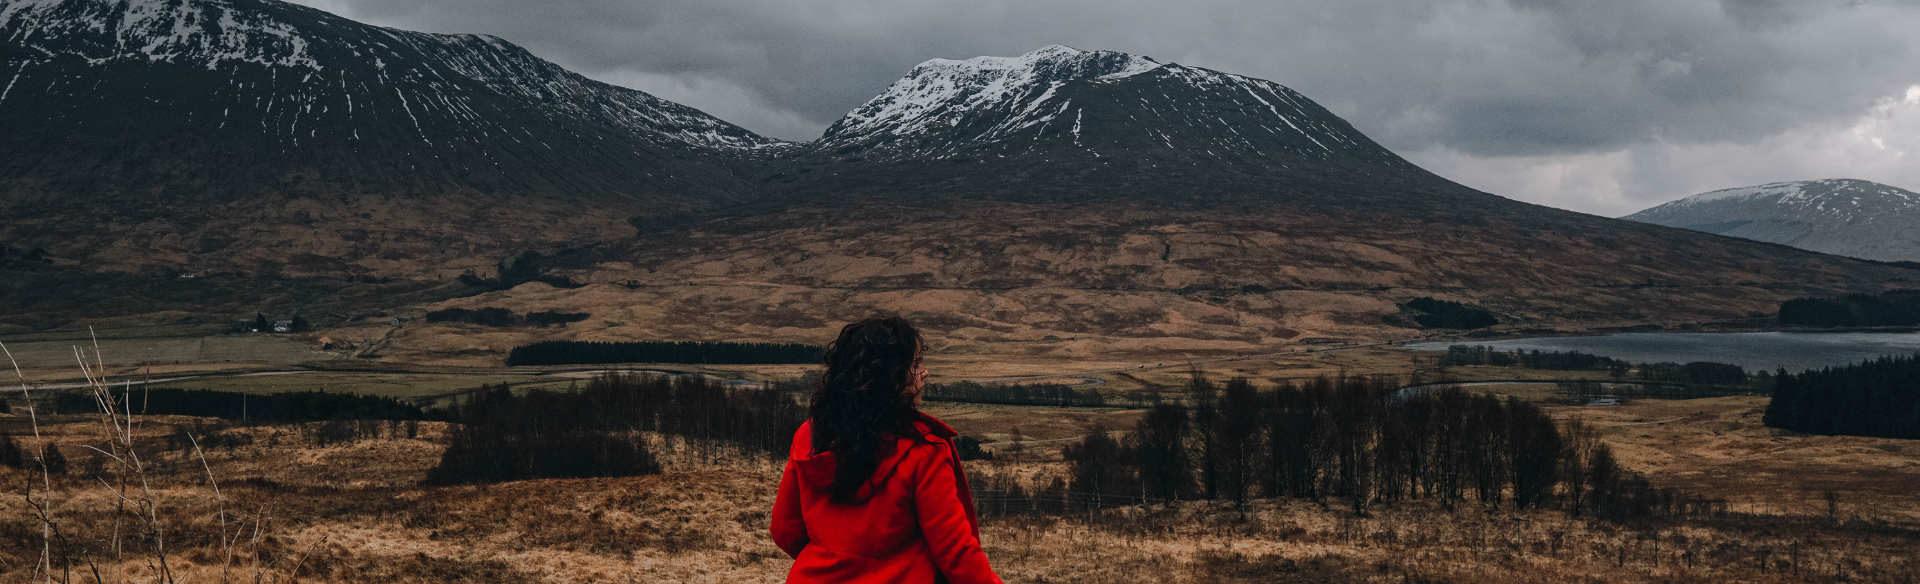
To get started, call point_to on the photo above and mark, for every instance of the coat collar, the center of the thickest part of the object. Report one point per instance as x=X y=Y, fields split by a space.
x=936 y=427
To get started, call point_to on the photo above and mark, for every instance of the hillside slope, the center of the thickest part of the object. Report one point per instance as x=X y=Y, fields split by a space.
x=1070 y=201
x=1081 y=201
x=1065 y=125
x=256 y=135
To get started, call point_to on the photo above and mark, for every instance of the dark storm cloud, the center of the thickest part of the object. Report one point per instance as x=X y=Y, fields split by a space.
x=1461 y=80
x=1603 y=74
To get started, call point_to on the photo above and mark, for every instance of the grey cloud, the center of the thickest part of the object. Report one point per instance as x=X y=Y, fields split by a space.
x=1484 y=79
x=1618 y=72
x=1774 y=13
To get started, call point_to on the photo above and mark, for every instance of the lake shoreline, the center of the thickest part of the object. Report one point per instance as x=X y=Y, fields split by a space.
x=1793 y=350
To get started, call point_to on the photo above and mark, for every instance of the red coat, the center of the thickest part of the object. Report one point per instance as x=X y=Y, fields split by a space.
x=915 y=523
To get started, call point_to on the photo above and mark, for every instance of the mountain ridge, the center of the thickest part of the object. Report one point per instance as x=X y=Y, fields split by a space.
x=1849 y=217
x=262 y=136
x=271 y=34
x=1121 y=126
x=1175 y=202
x=945 y=94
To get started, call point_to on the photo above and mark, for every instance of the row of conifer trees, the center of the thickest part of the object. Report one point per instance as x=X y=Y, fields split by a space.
x=601 y=353
x=1025 y=394
x=1878 y=398
x=603 y=429
x=1698 y=372
x=501 y=317
x=1459 y=355
x=1890 y=308
x=1358 y=439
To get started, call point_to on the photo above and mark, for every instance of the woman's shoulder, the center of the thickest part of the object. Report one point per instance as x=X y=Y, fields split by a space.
x=921 y=436
x=930 y=438
x=926 y=429
x=933 y=427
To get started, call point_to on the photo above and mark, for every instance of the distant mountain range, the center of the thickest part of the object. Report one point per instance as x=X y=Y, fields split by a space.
x=1847 y=217
x=1072 y=201
x=1058 y=194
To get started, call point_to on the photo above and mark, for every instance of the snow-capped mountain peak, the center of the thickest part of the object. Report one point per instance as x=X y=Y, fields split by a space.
x=1843 y=216
x=1839 y=197
x=1082 y=104
x=939 y=92
x=1782 y=189
x=306 y=52
x=209 y=32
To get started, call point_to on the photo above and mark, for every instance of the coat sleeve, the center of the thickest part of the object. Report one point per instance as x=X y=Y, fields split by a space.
x=789 y=529
x=944 y=522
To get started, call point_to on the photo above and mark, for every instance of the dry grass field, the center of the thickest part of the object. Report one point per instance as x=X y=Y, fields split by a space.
x=1718 y=445
x=198 y=351
x=398 y=385
x=1798 y=508
x=356 y=512
x=448 y=353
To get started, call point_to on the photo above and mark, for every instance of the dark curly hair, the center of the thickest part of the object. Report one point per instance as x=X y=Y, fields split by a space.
x=861 y=398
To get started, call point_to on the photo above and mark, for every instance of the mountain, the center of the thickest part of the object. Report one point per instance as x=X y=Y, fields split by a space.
x=1008 y=128
x=1847 y=217
x=1070 y=202
x=1062 y=201
x=1061 y=99
x=264 y=136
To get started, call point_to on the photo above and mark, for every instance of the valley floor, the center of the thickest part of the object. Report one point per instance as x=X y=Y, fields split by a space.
x=355 y=511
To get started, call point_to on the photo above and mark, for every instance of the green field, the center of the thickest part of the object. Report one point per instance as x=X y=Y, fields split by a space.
x=398 y=385
x=258 y=348
x=125 y=332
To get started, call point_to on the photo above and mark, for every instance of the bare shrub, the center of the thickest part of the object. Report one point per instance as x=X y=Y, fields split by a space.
x=131 y=530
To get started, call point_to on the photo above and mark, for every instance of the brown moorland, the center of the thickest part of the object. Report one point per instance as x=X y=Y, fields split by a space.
x=355 y=511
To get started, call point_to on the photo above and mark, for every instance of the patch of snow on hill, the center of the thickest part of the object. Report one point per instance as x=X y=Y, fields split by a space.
x=160 y=30
x=1814 y=193
x=1770 y=189
x=935 y=94
x=421 y=67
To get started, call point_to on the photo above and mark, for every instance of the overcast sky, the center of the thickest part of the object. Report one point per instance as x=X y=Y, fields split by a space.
x=1602 y=106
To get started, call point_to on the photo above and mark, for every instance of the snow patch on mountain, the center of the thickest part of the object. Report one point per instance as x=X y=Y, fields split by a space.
x=199 y=31
x=944 y=108
x=1840 y=198
x=422 y=67
x=1842 y=216
x=1783 y=190
x=937 y=93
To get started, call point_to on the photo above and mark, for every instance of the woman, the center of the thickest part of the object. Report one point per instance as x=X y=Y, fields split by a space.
x=873 y=490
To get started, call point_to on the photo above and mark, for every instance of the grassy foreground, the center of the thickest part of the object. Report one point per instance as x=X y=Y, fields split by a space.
x=297 y=505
